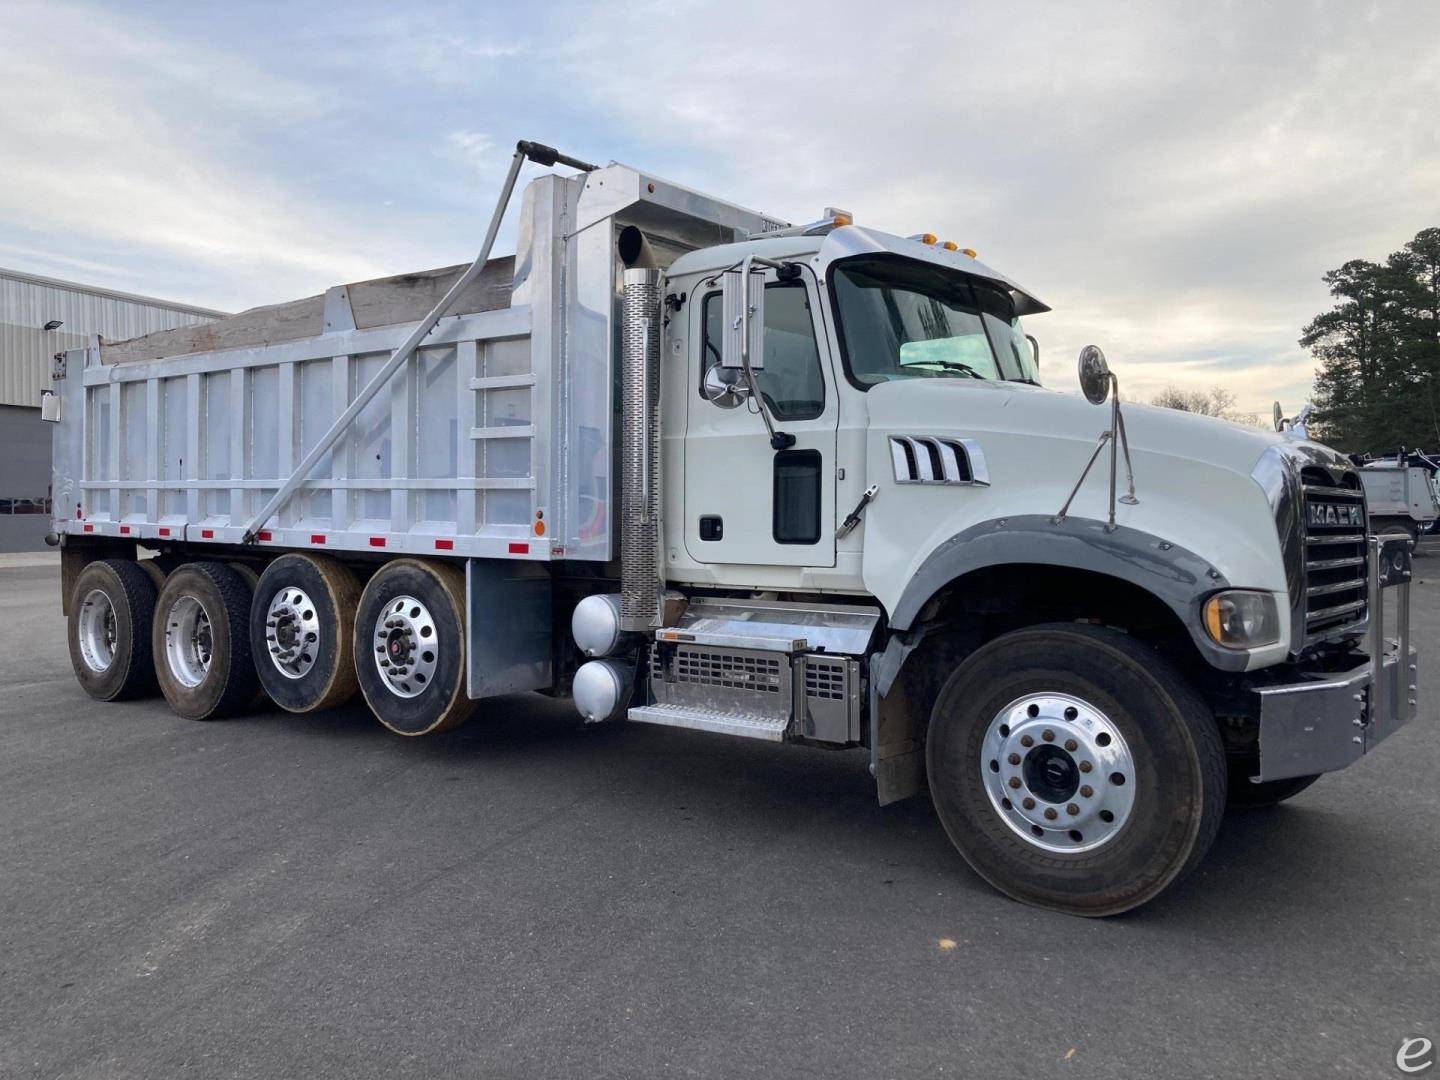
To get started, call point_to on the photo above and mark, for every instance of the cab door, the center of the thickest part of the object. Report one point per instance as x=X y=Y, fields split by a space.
x=745 y=502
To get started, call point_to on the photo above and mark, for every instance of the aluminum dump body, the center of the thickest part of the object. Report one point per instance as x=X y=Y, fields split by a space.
x=495 y=440
x=1400 y=491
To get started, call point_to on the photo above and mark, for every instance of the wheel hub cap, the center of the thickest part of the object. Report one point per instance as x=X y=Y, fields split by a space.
x=406 y=647
x=1058 y=772
x=98 y=632
x=292 y=633
x=188 y=640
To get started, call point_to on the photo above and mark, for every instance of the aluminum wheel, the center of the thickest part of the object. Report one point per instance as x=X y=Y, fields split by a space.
x=292 y=633
x=1058 y=772
x=189 y=642
x=98 y=632
x=407 y=649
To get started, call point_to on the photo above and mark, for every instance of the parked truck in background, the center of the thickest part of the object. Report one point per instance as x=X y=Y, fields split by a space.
x=1402 y=494
x=697 y=466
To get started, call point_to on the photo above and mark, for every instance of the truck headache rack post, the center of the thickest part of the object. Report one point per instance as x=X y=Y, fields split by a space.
x=537 y=152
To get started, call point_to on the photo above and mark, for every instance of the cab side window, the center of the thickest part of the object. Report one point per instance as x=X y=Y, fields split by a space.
x=792 y=382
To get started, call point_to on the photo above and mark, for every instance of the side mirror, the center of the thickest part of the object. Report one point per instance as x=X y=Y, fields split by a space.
x=743 y=305
x=1034 y=348
x=724 y=387
x=1095 y=376
x=1277 y=414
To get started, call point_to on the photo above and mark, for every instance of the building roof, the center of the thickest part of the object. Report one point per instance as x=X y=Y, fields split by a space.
x=29 y=301
x=113 y=294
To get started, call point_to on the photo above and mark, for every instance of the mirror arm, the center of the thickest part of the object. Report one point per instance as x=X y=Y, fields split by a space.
x=779 y=440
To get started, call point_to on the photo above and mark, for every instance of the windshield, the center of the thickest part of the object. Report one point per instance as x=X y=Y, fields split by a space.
x=903 y=319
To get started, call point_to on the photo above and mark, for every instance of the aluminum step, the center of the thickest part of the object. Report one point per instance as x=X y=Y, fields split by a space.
x=774 y=626
x=748 y=727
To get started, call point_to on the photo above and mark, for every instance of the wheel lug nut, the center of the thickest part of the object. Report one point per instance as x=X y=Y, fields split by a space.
x=1086 y=790
x=1071 y=745
x=1029 y=804
x=1027 y=740
x=1072 y=809
x=1014 y=781
x=1048 y=735
x=1050 y=814
x=1014 y=759
x=1085 y=766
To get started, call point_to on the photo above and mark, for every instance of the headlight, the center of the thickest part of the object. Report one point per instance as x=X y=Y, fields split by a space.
x=1240 y=619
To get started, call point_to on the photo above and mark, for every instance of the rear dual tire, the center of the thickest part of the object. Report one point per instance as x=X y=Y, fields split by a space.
x=301 y=630
x=410 y=647
x=201 y=641
x=112 y=611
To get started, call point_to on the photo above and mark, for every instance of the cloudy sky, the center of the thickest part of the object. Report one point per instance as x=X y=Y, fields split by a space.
x=1173 y=179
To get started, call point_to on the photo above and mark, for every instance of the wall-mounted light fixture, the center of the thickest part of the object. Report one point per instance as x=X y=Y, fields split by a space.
x=54 y=324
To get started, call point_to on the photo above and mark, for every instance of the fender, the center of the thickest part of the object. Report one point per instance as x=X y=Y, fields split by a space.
x=1178 y=577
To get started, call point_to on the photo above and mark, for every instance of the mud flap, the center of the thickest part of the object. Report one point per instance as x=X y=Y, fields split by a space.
x=897 y=730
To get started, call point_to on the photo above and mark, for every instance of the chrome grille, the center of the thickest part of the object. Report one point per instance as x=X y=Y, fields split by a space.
x=1336 y=565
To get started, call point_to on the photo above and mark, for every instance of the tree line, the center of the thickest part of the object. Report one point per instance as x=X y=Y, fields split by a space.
x=1377 y=387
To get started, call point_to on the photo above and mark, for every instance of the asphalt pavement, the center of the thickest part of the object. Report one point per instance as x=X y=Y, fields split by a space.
x=281 y=896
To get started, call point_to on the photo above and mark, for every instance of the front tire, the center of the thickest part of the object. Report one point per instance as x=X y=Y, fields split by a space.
x=201 y=642
x=1075 y=769
x=112 y=609
x=410 y=646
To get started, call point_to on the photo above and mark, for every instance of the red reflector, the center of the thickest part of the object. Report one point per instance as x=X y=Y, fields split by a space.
x=89 y=528
x=519 y=549
x=262 y=536
x=444 y=545
x=207 y=534
x=317 y=538
x=124 y=529
x=377 y=541
x=164 y=532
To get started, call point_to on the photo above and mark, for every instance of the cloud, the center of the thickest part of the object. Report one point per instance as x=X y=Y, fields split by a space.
x=476 y=150
x=1172 y=178
x=114 y=136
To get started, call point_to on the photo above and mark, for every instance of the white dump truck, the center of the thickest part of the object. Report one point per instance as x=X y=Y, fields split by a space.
x=697 y=466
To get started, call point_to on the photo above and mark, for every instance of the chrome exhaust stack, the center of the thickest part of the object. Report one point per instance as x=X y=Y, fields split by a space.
x=640 y=586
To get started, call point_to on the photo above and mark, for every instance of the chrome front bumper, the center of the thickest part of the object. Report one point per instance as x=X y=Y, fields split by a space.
x=1325 y=722
x=1331 y=722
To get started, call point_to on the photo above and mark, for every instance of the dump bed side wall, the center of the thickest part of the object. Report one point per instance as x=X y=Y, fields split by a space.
x=459 y=454
x=494 y=441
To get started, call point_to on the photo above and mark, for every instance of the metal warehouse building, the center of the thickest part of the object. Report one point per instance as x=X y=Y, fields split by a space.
x=40 y=317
